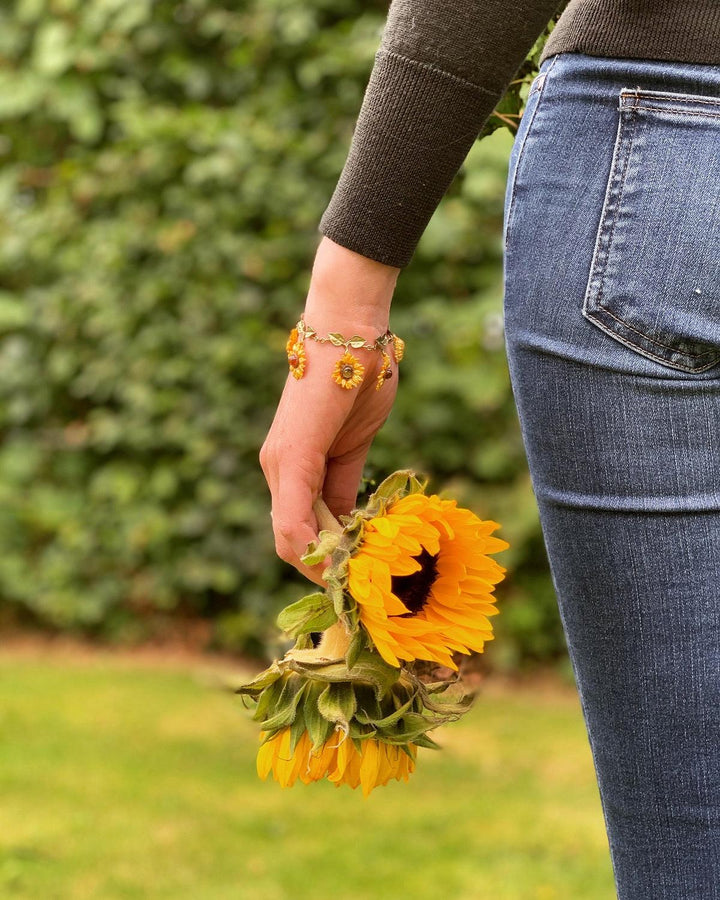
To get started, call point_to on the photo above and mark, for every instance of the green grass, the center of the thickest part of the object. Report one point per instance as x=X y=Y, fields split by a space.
x=123 y=780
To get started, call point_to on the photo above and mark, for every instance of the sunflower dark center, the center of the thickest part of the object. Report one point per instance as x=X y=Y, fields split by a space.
x=414 y=589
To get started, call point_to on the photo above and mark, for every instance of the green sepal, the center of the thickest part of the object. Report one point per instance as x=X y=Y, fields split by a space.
x=369 y=669
x=336 y=596
x=318 y=550
x=392 y=488
x=360 y=732
x=280 y=719
x=283 y=712
x=261 y=681
x=424 y=740
x=389 y=720
x=312 y=613
x=304 y=642
x=410 y=727
x=268 y=700
x=337 y=703
x=357 y=645
x=369 y=707
x=297 y=728
x=318 y=727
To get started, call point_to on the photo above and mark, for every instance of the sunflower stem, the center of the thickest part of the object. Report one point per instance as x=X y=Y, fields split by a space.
x=326 y=520
x=335 y=642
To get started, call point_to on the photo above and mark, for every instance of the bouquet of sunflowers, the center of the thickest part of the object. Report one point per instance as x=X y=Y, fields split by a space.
x=409 y=585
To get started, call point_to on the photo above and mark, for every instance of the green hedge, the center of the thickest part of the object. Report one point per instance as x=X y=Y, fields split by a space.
x=164 y=167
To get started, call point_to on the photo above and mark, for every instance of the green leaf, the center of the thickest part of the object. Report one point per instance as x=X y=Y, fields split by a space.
x=312 y=613
x=318 y=550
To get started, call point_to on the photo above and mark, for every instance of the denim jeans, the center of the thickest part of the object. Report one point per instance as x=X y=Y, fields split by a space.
x=612 y=326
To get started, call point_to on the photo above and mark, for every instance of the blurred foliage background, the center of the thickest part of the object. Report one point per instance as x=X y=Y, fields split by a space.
x=164 y=168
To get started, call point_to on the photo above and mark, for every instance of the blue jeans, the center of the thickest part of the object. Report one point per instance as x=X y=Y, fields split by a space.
x=612 y=323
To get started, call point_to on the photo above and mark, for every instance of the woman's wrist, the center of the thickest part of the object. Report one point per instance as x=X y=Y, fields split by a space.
x=349 y=290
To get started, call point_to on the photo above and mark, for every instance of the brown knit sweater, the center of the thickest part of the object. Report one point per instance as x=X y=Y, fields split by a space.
x=441 y=68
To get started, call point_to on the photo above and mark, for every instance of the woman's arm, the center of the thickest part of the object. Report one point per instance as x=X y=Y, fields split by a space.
x=441 y=68
x=321 y=433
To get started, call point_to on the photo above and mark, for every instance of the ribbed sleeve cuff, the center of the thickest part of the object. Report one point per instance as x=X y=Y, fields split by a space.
x=405 y=151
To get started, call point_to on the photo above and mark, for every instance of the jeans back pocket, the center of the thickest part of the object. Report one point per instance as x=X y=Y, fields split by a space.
x=654 y=282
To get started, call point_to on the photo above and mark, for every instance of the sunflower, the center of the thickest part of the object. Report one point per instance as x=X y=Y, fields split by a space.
x=384 y=373
x=339 y=760
x=295 y=350
x=423 y=582
x=349 y=371
x=292 y=339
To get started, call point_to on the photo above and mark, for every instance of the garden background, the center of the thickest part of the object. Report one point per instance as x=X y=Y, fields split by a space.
x=164 y=168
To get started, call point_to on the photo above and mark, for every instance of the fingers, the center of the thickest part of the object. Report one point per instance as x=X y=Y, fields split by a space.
x=293 y=489
x=294 y=522
x=342 y=480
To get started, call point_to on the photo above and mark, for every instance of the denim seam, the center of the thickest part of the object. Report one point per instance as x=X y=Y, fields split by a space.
x=616 y=214
x=653 y=341
x=679 y=112
x=643 y=351
x=522 y=147
x=668 y=97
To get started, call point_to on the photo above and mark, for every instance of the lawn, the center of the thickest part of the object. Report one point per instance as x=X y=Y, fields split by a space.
x=122 y=778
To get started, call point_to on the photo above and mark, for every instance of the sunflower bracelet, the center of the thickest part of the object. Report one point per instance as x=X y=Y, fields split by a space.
x=409 y=586
x=348 y=371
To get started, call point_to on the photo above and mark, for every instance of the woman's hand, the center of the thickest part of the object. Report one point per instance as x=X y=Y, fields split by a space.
x=321 y=432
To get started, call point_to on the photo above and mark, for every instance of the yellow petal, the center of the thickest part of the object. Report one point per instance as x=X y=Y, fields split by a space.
x=369 y=766
x=265 y=757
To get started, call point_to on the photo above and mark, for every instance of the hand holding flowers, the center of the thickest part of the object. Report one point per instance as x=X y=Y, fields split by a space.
x=410 y=580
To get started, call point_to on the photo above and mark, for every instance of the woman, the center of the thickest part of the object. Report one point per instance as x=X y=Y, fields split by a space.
x=612 y=316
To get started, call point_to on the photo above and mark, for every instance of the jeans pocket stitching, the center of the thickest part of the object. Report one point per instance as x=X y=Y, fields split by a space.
x=616 y=186
x=668 y=96
x=593 y=307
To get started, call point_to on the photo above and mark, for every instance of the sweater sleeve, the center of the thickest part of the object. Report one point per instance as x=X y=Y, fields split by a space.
x=441 y=68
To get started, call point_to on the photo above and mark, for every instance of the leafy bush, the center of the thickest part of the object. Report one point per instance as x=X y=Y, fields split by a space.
x=165 y=168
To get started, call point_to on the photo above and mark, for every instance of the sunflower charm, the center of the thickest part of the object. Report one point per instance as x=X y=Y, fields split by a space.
x=295 y=350
x=384 y=373
x=398 y=348
x=348 y=372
